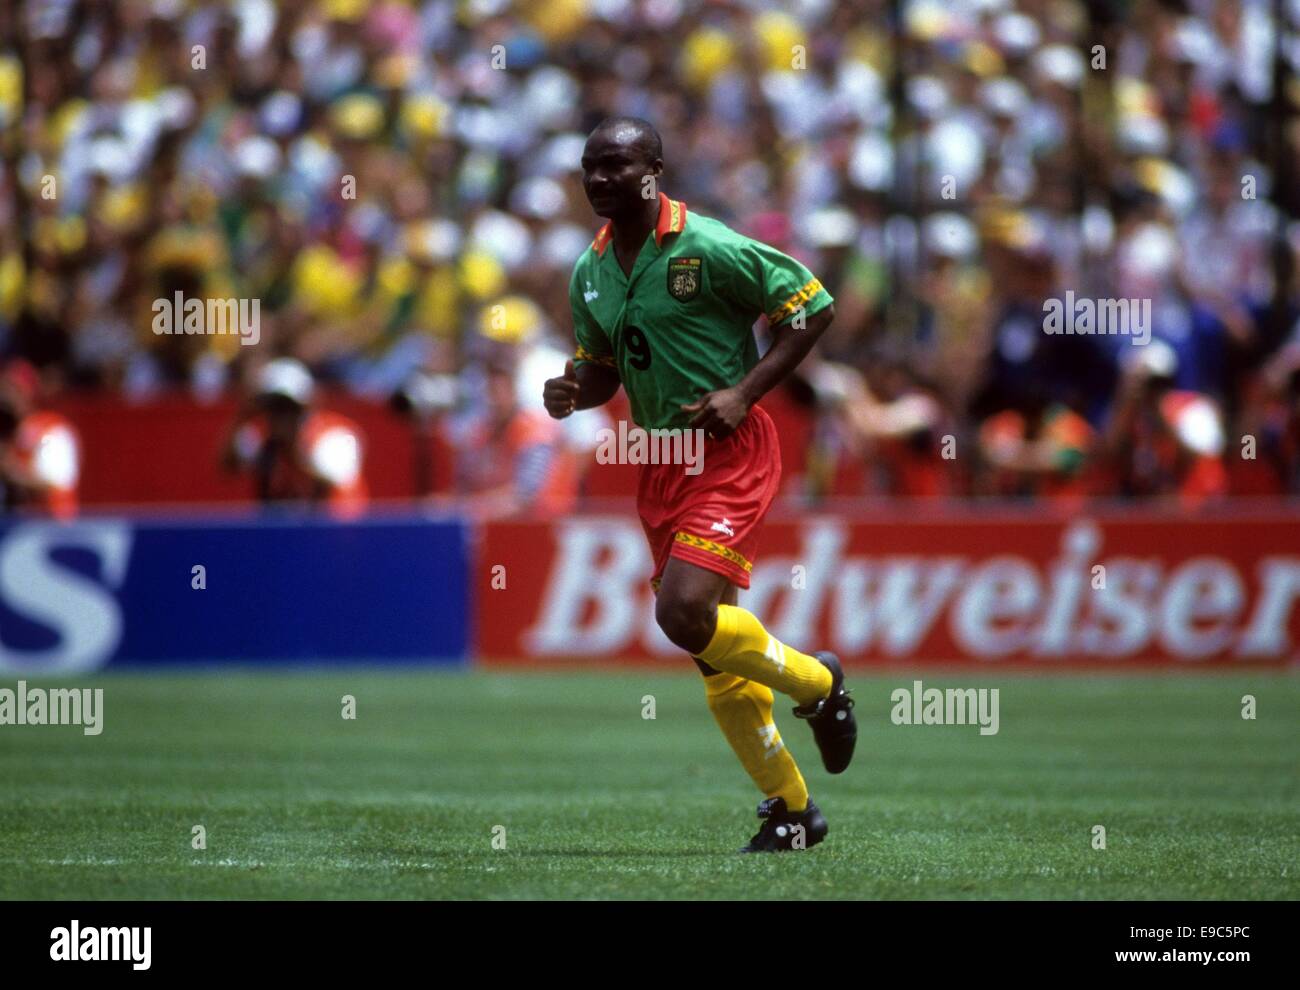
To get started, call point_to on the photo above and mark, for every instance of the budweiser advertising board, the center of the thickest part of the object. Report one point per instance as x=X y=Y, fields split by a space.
x=1008 y=587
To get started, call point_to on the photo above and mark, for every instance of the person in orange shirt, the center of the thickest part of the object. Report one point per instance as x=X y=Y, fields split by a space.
x=296 y=453
x=1271 y=415
x=40 y=452
x=1166 y=441
x=514 y=460
x=896 y=423
x=1040 y=448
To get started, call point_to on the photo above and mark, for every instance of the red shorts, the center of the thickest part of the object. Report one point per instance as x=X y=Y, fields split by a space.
x=711 y=519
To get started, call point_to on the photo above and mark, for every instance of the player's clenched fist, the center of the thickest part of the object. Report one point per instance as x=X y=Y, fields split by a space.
x=560 y=395
x=719 y=413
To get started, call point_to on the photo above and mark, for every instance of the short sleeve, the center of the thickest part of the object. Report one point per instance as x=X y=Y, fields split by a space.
x=592 y=342
x=56 y=459
x=336 y=457
x=761 y=279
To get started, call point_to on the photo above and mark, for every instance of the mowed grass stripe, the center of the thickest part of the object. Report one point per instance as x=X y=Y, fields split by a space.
x=598 y=802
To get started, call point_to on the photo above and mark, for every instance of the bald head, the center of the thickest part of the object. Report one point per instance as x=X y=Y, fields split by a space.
x=632 y=133
x=621 y=165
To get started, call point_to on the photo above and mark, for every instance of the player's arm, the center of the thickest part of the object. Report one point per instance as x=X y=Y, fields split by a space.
x=789 y=348
x=758 y=278
x=719 y=413
x=591 y=379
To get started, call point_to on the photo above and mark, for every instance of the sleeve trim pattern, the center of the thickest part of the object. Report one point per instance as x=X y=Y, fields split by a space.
x=788 y=308
x=602 y=359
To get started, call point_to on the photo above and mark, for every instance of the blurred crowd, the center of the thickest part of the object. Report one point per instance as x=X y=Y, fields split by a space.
x=397 y=183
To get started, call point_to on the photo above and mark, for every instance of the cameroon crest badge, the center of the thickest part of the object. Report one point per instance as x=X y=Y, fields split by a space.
x=684 y=278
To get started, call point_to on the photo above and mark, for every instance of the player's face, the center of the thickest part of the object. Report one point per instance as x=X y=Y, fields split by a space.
x=614 y=171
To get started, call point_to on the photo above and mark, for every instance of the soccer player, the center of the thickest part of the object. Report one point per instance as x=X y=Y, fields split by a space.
x=664 y=303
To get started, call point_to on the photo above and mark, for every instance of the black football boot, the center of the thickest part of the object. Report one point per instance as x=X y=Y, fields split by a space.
x=783 y=830
x=834 y=728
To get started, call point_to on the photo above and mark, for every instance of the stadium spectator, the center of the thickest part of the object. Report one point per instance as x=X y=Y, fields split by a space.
x=1165 y=441
x=377 y=179
x=297 y=454
x=1042 y=448
x=899 y=427
x=513 y=459
x=40 y=453
x=1271 y=425
x=424 y=399
x=514 y=332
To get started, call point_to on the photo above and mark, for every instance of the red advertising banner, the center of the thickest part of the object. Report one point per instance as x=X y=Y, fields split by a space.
x=1011 y=587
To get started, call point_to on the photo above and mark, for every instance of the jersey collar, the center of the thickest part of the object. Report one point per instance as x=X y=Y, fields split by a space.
x=672 y=220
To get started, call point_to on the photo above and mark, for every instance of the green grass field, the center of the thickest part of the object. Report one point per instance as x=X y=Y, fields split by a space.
x=597 y=802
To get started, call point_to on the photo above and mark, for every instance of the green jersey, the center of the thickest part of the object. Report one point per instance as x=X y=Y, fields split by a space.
x=683 y=324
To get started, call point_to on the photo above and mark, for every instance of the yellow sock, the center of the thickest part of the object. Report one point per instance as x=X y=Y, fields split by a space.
x=741 y=646
x=744 y=713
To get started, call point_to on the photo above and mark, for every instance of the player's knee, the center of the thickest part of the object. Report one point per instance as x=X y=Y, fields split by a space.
x=687 y=624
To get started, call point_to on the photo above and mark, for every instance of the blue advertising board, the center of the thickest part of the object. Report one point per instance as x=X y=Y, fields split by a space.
x=77 y=596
